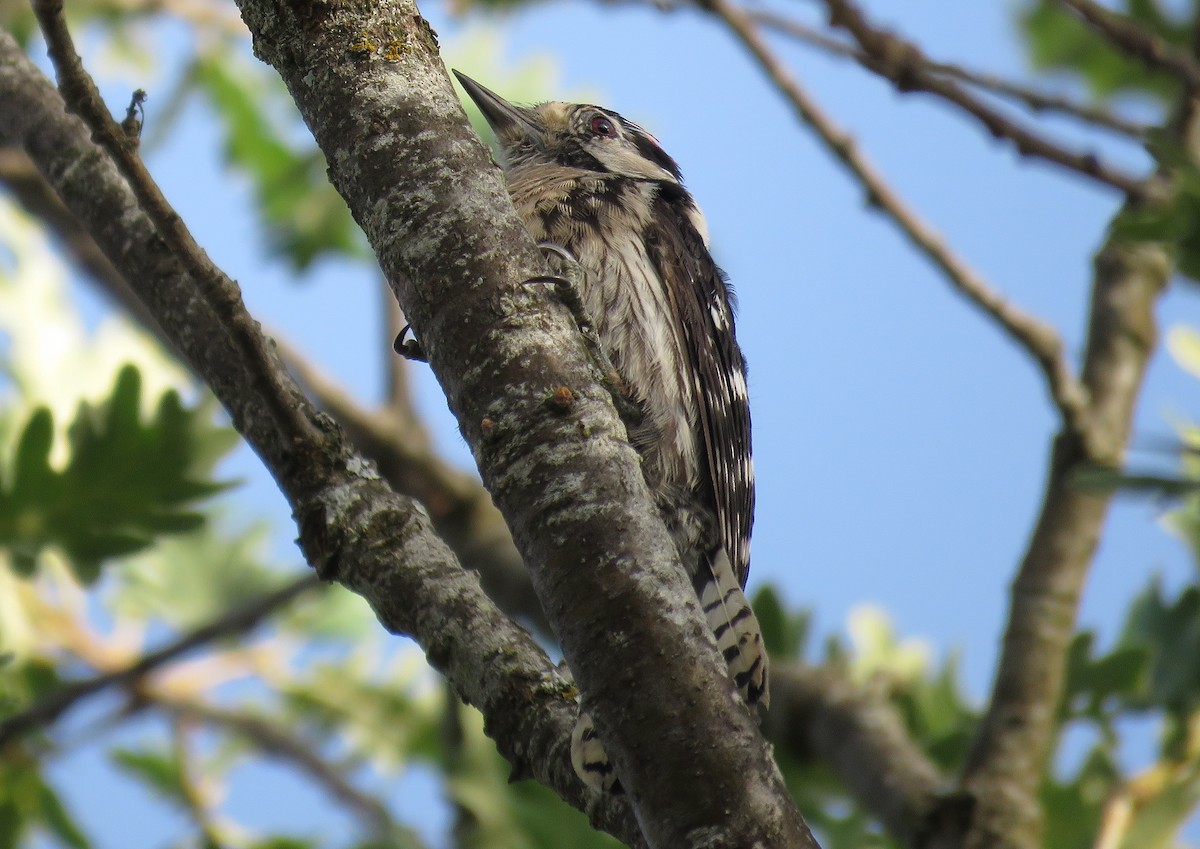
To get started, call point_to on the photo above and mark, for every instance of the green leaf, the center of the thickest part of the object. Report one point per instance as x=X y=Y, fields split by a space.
x=159 y=770
x=1156 y=824
x=124 y=484
x=1074 y=806
x=28 y=804
x=784 y=634
x=1092 y=683
x=305 y=217
x=382 y=719
x=1170 y=632
x=58 y=821
x=282 y=842
x=1175 y=223
x=937 y=715
x=1058 y=40
x=1098 y=479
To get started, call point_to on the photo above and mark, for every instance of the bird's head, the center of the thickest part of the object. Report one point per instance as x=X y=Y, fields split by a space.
x=573 y=135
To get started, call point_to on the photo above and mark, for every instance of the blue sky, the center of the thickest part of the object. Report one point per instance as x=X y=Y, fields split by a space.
x=900 y=440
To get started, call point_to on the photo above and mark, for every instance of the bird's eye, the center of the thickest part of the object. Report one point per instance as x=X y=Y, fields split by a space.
x=603 y=127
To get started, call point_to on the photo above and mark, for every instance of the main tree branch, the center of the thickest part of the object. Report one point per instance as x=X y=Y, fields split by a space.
x=1008 y=758
x=369 y=82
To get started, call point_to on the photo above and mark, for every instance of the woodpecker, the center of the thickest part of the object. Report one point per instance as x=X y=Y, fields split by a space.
x=599 y=187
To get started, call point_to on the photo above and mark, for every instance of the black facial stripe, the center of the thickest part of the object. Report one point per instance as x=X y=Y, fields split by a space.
x=650 y=150
x=581 y=159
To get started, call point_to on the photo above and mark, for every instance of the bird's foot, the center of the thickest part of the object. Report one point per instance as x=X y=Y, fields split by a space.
x=410 y=349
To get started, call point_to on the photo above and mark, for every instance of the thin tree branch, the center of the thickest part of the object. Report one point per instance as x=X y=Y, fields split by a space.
x=380 y=545
x=395 y=438
x=1037 y=338
x=905 y=65
x=1007 y=761
x=267 y=736
x=1035 y=99
x=222 y=294
x=192 y=795
x=1138 y=42
x=238 y=621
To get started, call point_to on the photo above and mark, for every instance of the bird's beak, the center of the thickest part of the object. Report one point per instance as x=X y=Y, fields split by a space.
x=505 y=119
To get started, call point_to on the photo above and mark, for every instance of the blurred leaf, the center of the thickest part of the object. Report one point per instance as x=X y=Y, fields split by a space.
x=304 y=215
x=23 y=683
x=159 y=770
x=937 y=715
x=1074 y=807
x=784 y=634
x=123 y=484
x=335 y=614
x=282 y=842
x=29 y=804
x=491 y=812
x=1184 y=345
x=1156 y=823
x=1098 y=479
x=194 y=577
x=1058 y=40
x=1095 y=688
x=1176 y=223
x=828 y=809
x=379 y=716
x=1170 y=633
x=58 y=821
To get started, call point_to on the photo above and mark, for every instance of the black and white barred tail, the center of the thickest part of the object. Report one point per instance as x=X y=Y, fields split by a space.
x=733 y=623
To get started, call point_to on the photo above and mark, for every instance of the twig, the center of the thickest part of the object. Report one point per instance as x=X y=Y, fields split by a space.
x=1138 y=42
x=1035 y=336
x=221 y=293
x=906 y=66
x=240 y=620
x=272 y=739
x=196 y=802
x=1035 y=99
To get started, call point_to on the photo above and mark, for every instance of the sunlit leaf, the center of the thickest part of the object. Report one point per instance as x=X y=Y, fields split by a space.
x=125 y=481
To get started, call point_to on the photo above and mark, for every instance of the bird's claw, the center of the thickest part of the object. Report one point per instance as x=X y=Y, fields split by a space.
x=410 y=349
